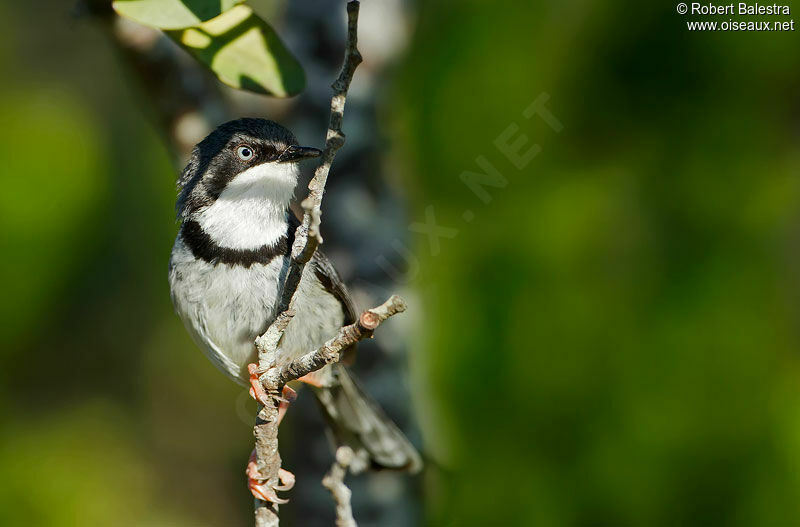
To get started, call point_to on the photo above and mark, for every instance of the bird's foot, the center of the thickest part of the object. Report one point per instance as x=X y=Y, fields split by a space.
x=260 y=487
x=258 y=392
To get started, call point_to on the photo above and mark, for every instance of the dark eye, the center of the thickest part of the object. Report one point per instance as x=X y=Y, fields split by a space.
x=245 y=152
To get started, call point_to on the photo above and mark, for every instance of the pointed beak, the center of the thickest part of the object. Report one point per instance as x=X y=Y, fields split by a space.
x=295 y=153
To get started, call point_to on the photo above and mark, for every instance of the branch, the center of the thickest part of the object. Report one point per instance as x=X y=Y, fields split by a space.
x=331 y=350
x=306 y=238
x=274 y=379
x=334 y=482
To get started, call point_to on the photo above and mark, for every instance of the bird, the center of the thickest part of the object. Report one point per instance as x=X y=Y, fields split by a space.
x=229 y=259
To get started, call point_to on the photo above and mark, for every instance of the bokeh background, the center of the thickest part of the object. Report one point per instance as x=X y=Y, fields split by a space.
x=610 y=340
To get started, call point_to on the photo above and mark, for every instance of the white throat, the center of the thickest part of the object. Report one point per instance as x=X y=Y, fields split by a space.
x=251 y=211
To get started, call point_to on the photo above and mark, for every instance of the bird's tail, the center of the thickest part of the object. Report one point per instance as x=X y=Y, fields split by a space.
x=357 y=421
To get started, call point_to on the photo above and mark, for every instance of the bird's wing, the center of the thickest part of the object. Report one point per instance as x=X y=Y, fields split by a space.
x=197 y=323
x=332 y=282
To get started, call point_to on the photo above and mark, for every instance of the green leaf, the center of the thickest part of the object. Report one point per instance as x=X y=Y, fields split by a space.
x=244 y=52
x=172 y=14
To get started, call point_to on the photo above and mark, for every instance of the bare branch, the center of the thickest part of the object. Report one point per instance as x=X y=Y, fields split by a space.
x=274 y=379
x=331 y=350
x=307 y=239
x=267 y=344
x=305 y=245
x=334 y=482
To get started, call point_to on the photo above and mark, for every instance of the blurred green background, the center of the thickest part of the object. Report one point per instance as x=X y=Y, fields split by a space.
x=611 y=341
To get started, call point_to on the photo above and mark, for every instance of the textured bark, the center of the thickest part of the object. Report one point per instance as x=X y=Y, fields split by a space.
x=334 y=482
x=330 y=352
x=274 y=379
x=266 y=428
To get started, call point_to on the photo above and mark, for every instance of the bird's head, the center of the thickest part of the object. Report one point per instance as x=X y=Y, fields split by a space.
x=242 y=159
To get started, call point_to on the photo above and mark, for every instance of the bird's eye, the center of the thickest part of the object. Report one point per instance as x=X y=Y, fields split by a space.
x=245 y=152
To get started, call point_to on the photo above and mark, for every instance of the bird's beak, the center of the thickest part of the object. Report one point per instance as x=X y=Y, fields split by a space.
x=295 y=153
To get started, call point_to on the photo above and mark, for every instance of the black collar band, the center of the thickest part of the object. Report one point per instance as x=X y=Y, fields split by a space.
x=203 y=247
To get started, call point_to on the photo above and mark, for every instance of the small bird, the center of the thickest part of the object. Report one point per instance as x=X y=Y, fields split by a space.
x=229 y=258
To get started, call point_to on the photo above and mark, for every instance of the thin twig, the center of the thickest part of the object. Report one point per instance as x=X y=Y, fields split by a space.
x=305 y=245
x=334 y=482
x=330 y=351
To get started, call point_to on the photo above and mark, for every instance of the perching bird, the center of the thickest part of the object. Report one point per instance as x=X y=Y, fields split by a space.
x=231 y=254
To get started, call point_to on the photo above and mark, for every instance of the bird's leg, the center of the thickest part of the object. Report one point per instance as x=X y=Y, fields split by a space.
x=261 y=489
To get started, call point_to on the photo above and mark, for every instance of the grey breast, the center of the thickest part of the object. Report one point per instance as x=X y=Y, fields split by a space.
x=225 y=307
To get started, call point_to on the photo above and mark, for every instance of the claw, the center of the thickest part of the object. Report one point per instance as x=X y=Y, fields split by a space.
x=257 y=390
x=265 y=493
x=287 y=480
x=261 y=489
